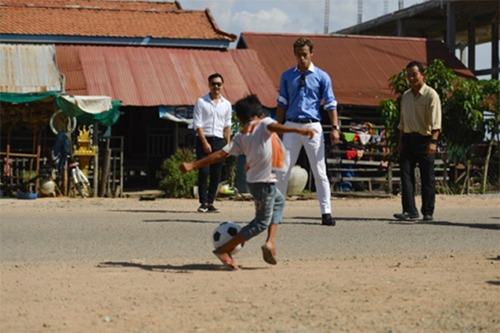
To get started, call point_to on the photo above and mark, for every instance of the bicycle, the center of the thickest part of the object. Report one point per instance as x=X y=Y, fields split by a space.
x=79 y=181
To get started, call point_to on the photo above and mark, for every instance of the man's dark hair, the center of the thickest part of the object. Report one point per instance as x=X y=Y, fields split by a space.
x=213 y=76
x=419 y=65
x=301 y=42
x=248 y=107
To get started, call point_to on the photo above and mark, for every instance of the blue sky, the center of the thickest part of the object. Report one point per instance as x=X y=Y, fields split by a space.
x=302 y=16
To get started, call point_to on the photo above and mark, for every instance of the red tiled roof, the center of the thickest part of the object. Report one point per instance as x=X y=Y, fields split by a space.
x=147 y=76
x=97 y=4
x=360 y=66
x=107 y=19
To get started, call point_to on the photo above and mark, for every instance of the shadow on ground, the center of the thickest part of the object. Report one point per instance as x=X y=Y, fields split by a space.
x=165 y=268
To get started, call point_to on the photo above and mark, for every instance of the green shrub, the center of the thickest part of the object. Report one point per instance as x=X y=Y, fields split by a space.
x=174 y=183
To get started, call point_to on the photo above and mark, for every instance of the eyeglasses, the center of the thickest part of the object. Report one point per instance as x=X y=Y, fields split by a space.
x=216 y=84
x=302 y=83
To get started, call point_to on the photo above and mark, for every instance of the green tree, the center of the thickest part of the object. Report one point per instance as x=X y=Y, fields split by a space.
x=491 y=90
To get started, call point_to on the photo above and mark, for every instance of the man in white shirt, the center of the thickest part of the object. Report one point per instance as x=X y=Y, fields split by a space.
x=212 y=123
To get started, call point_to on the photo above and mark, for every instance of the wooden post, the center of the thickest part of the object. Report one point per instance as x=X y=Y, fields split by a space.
x=95 y=141
x=105 y=170
x=37 y=168
x=389 y=178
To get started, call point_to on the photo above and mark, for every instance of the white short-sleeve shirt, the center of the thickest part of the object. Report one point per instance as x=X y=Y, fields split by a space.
x=257 y=147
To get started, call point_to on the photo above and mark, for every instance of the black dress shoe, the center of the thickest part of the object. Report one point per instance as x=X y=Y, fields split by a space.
x=406 y=216
x=327 y=219
x=203 y=208
x=212 y=209
x=428 y=217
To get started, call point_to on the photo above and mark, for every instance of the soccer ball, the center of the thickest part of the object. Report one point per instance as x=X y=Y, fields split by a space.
x=223 y=234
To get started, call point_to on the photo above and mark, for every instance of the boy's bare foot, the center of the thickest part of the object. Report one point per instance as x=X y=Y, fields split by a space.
x=269 y=254
x=226 y=260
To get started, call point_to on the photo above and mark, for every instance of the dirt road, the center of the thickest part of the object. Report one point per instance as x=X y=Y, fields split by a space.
x=124 y=265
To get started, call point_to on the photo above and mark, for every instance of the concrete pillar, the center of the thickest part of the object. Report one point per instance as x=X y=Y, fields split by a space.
x=494 y=49
x=401 y=28
x=471 y=45
x=450 y=27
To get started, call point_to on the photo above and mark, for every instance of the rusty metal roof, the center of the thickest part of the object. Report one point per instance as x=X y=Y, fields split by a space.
x=69 y=65
x=28 y=68
x=118 y=19
x=255 y=76
x=360 y=66
x=146 y=76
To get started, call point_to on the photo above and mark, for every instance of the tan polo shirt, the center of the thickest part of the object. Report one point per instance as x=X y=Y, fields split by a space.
x=420 y=113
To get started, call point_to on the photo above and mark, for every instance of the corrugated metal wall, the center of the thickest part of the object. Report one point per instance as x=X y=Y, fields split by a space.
x=28 y=68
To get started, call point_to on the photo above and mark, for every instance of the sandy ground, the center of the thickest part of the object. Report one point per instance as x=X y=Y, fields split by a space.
x=125 y=265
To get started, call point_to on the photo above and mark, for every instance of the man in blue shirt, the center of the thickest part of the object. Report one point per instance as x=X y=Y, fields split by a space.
x=302 y=89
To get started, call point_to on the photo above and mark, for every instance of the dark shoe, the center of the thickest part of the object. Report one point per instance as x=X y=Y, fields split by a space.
x=327 y=219
x=212 y=209
x=203 y=208
x=269 y=255
x=406 y=216
x=428 y=217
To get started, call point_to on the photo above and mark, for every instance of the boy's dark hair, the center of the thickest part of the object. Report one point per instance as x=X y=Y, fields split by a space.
x=301 y=42
x=248 y=107
x=419 y=65
x=213 y=76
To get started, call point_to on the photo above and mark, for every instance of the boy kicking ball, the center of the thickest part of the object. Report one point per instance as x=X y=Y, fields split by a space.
x=264 y=155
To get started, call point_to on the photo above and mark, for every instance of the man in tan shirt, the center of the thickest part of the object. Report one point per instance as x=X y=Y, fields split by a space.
x=419 y=128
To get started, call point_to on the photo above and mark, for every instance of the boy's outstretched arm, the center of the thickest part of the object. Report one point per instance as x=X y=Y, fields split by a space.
x=280 y=129
x=210 y=159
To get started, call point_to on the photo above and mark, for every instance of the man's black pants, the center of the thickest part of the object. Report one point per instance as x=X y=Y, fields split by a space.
x=414 y=152
x=206 y=191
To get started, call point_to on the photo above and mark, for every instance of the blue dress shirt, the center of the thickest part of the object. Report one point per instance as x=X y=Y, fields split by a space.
x=301 y=96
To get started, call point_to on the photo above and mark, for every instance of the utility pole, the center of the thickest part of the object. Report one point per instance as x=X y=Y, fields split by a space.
x=360 y=11
x=327 y=17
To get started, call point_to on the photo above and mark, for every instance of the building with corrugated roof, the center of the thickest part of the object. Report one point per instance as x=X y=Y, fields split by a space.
x=149 y=55
x=155 y=56
x=461 y=24
x=359 y=66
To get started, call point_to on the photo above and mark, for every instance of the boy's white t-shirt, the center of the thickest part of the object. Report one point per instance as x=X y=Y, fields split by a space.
x=257 y=145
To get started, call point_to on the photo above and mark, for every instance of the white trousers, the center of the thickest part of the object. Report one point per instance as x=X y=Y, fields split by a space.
x=315 y=150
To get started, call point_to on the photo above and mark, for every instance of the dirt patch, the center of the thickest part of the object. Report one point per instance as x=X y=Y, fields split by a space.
x=367 y=274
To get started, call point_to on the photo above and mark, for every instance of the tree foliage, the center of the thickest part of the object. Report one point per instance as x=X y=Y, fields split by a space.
x=174 y=182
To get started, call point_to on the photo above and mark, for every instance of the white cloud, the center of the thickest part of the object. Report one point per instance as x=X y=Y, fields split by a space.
x=293 y=16
x=273 y=20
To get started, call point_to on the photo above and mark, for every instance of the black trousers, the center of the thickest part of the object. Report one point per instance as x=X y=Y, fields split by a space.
x=413 y=153
x=208 y=190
